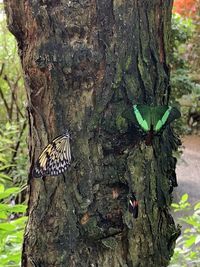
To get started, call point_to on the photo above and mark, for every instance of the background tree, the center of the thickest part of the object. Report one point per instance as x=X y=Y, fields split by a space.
x=85 y=64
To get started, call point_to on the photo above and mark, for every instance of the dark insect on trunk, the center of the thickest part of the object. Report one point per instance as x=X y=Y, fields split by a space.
x=133 y=206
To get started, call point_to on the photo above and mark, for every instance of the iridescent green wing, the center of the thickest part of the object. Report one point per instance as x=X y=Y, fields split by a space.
x=163 y=115
x=143 y=116
x=160 y=115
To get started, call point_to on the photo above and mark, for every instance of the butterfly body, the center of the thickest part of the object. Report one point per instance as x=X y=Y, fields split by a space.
x=133 y=206
x=55 y=157
x=149 y=137
x=152 y=119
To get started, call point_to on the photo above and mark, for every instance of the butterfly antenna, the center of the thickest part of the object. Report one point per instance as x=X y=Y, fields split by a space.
x=67 y=132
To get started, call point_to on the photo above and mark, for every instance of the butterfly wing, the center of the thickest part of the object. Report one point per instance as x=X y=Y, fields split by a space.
x=143 y=116
x=54 y=159
x=159 y=116
x=155 y=117
x=162 y=115
x=174 y=114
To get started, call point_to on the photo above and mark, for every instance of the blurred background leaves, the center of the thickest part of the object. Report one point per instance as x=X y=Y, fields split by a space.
x=13 y=149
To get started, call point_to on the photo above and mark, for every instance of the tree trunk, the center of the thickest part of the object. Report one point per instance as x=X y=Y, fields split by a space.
x=85 y=64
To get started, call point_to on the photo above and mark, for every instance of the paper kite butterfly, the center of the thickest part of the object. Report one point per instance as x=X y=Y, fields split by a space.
x=55 y=158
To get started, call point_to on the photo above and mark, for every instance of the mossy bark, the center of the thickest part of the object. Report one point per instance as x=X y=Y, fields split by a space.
x=85 y=64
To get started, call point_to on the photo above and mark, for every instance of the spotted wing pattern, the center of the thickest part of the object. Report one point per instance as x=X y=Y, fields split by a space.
x=55 y=158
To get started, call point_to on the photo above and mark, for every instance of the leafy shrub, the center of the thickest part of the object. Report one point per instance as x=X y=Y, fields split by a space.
x=13 y=147
x=12 y=93
x=182 y=30
x=13 y=150
x=12 y=223
x=13 y=154
x=182 y=81
x=187 y=251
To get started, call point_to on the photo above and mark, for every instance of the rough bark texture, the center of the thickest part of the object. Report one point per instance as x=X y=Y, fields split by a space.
x=85 y=64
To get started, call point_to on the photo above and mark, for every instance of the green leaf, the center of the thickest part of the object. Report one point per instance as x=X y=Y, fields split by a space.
x=3 y=160
x=190 y=241
x=9 y=192
x=184 y=198
x=5 y=177
x=19 y=221
x=192 y=220
x=6 y=209
x=197 y=206
x=175 y=205
x=18 y=208
x=197 y=240
x=3 y=215
x=7 y=226
x=6 y=167
x=2 y=188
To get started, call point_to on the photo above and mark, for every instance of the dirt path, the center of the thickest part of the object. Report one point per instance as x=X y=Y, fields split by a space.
x=188 y=170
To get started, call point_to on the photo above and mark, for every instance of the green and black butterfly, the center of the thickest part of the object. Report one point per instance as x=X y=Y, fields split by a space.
x=55 y=158
x=152 y=119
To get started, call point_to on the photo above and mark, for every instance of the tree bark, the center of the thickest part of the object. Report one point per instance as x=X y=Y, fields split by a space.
x=85 y=64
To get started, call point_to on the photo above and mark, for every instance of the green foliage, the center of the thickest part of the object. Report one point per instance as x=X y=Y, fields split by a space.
x=12 y=225
x=187 y=251
x=13 y=158
x=13 y=147
x=13 y=150
x=194 y=51
x=12 y=93
x=182 y=31
x=182 y=205
x=182 y=81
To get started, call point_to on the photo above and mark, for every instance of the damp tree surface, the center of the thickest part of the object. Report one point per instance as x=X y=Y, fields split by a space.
x=85 y=64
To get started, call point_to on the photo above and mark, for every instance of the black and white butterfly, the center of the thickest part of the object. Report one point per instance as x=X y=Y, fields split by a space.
x=55 y=157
